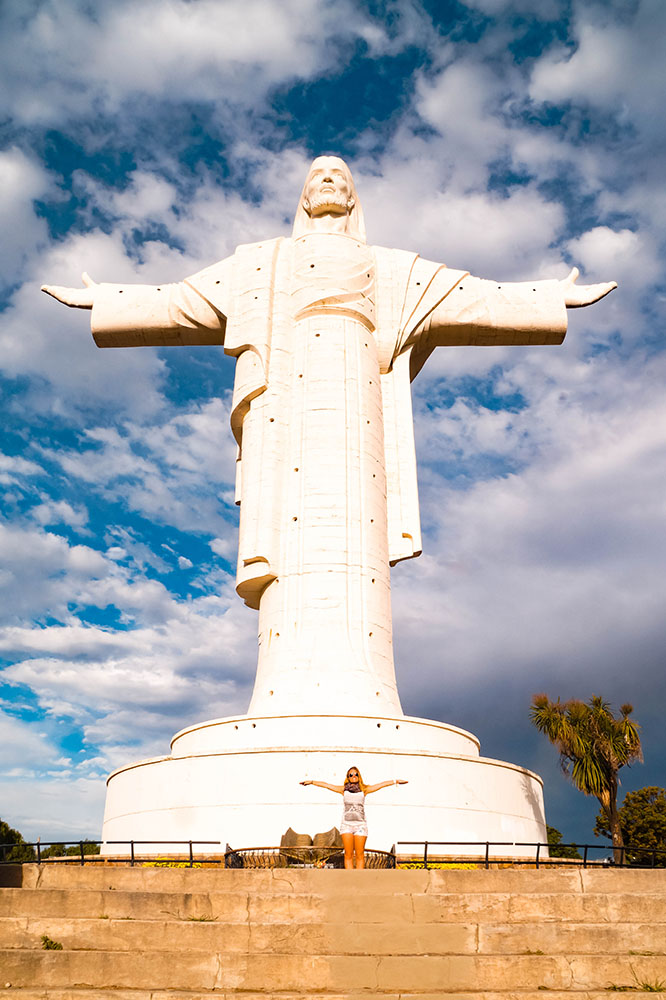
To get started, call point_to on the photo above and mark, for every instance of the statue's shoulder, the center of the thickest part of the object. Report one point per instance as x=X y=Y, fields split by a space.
x=223 y=275
x=254 y=263
x=398 y=260
x=212 y=278
x=263 y=246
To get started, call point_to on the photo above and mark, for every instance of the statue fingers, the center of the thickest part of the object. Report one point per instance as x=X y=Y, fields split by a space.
x=586 y=295
x=76 y=298
x=605 y=288
x=87 y=280
x=57 y=292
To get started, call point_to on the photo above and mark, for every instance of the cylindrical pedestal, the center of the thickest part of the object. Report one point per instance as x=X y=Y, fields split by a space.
x=237 y=781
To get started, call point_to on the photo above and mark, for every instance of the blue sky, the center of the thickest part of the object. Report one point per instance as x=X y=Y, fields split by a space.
x=142 y=141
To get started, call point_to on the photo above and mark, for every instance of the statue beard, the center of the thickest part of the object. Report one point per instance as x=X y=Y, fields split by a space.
x=328 y=201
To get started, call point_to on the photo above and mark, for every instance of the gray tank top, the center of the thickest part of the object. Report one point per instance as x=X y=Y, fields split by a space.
x=353 y=808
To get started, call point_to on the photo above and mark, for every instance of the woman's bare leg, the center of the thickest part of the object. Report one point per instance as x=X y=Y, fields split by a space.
x=348 y=841
x=359 y=848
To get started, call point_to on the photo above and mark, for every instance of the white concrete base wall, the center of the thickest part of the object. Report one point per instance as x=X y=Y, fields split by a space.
x=237 y=781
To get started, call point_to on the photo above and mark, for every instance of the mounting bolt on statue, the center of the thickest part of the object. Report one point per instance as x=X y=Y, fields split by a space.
x=327 y=333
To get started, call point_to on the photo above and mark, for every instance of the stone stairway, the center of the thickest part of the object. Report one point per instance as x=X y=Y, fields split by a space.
x=171 y=934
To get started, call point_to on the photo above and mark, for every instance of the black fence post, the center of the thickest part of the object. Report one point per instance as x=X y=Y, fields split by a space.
x=622 y=856
x=487 y=854
x=81 y=850
x=425 y=854
x=131 y=854
x=39 y=853
x=585 y=857
x=191 y=855
x=537 y=854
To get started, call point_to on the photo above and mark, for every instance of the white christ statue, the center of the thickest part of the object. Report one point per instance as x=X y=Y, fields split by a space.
x=327 y=333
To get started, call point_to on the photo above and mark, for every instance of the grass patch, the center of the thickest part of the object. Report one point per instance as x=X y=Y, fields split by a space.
x=48 y=944
x=164 y=863
x=439 y=865
x=640 y=986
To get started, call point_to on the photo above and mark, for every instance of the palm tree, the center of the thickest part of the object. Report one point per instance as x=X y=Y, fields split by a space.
x=593 y=746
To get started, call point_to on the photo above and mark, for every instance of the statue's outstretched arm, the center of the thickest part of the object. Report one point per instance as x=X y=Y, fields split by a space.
x=189 y=312
x=483 y=313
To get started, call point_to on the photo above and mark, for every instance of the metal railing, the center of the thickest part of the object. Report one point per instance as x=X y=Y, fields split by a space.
x=631 y=856
x=246 y=857
x=307 y=856
x=488 y=856
x=82 y=856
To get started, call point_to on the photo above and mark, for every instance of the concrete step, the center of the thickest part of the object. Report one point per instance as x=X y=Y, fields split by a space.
x=351 y=938
x=339 y=906
x=529 y=907
x=416 y=976
x=279 y=880
x=84 y=993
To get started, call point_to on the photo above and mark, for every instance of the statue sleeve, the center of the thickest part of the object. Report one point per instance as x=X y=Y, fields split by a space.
x=189 y=312
x=483 y=313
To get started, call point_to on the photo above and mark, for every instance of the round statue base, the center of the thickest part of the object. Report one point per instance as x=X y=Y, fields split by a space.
x=237 y=781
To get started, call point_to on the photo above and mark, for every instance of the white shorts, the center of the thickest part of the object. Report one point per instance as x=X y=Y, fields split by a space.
x=358 y=828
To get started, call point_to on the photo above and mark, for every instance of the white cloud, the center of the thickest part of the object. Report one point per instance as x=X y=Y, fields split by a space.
x=41 y=572
x=22 y=748
x=51 y=344
x=557 y=567
x=54 y=807
x=22 y=180
x=629 y=255
x=195 y=659
x=223 y=547
x=59 y=512
x=13 y=469
x=229 y=53
x=172 y=472
x=617 y=63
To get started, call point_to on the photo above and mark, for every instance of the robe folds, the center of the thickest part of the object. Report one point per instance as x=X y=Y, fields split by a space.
x=407 y=290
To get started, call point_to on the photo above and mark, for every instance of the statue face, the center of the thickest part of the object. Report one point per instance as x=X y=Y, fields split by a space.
x=328 y=188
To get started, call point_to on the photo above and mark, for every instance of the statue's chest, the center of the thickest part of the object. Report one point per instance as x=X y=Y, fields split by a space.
x=332 y=275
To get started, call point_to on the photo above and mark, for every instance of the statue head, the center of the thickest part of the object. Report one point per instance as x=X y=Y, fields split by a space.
x=329 y=200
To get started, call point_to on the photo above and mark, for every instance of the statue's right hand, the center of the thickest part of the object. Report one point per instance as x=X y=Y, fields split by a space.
x=77 y=298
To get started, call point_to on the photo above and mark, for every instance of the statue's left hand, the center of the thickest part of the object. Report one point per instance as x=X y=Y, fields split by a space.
x=576 y=296
x=77 y=298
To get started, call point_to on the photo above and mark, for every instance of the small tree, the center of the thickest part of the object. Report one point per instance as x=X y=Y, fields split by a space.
x=15 y=848
x=60 y=851
x=593 y=746
x=642 y=818
x=557 y=849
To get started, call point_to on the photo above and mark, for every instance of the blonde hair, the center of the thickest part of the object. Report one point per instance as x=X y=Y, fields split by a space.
x=361 y=783
x=355 y=220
